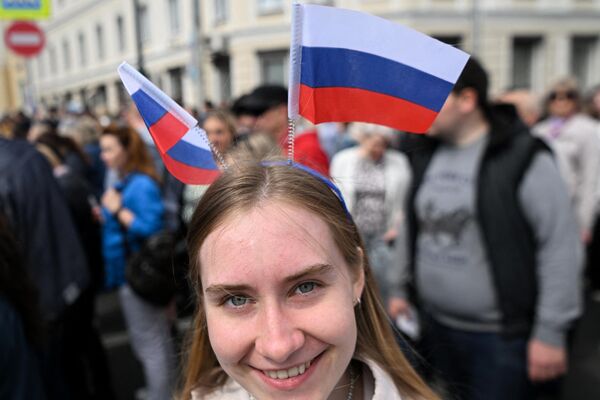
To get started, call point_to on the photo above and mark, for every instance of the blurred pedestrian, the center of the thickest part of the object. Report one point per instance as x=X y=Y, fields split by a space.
x=269 y=104
x=527 y=105
x=220 y=129
x=85 y=131
x=21 y=322
x=70 y=152
x=374 y=181
x=495 y=251
x=92 y=365
x=592 y=108
x=38 y=215
x=573 y=137
x=132 y=211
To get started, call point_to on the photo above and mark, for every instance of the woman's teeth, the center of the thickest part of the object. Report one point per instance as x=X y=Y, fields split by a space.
x=288 y=373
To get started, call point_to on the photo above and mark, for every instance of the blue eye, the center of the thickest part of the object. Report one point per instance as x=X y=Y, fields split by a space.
x=236 y=301
x=306 y=287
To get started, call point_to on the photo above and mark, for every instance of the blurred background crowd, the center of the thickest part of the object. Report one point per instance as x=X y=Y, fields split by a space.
x=82 y=193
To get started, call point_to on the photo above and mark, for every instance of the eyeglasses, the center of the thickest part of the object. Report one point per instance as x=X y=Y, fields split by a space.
x=563 y=95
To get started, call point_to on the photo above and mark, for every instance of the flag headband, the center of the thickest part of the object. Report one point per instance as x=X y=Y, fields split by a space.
x=316 y=175
x=383 y=73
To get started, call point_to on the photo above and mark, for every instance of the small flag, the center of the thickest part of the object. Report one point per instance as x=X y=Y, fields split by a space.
x=182 y=144
x=350 y=66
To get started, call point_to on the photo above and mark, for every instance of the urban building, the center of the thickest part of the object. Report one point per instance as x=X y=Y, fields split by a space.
x=13 y=80
x=216 y=50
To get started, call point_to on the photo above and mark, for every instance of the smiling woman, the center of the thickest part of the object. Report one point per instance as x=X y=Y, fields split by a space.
x=287 y=303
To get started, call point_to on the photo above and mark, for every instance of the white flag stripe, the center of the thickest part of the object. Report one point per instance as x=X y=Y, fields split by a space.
x=338 y=28
x=25 y=39
x=194 y=137
x=134 y=81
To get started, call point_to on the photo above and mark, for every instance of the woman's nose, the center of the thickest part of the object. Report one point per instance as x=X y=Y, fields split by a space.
x=279 y=336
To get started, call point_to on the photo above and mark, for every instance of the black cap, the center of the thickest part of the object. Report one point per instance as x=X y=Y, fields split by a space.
x=260 y=100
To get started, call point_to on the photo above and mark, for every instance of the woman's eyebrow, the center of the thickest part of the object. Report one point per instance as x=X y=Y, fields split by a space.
x=215 y=290
x=317 y=269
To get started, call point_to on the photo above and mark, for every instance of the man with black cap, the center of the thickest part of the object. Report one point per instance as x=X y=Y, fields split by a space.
x=495 y=256
x=268 y=103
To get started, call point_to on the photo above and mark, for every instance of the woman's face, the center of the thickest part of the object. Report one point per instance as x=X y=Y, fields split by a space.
x=218 y=134
x=279 y=301
x=562 y=102
x=374 y=146
x=112 y=152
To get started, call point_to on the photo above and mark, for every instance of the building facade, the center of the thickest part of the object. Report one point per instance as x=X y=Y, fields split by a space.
x=220 y=49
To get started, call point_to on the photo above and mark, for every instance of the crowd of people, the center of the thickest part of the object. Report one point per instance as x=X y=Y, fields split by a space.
x=479 y=232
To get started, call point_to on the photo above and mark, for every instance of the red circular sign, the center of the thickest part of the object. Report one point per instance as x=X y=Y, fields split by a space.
x=24 y=38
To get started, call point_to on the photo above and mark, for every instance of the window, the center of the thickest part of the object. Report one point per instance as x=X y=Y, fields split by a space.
x=176 y=83
x=452 y=40
x=66 y=49
x=144 y=23
x=273 y=67
x=174 y=17
x=221 y=62
x=52 y=55
x=270 y=6
x=120 y=34
x=82 y=49
x=220 y=11
x=583 y=50
x=526 y=62
x=100 y=42
x=41 y=61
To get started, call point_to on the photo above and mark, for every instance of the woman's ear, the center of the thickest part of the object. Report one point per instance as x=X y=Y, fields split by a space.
x=359 y=280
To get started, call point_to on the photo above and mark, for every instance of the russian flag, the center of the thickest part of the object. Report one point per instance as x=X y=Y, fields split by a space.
x=349 y=66
x=182 y=144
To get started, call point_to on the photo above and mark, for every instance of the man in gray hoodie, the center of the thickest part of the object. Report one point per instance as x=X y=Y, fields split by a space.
x=495 y=255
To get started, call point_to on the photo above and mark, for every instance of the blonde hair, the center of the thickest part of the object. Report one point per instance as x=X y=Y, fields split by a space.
x=243 y=187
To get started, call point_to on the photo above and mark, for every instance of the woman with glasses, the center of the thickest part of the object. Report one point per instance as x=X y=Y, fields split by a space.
x=572 y=135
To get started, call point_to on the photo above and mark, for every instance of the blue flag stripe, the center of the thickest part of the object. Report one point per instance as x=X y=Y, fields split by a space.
x=149 y=109
x=334 y=67
x=193 y=156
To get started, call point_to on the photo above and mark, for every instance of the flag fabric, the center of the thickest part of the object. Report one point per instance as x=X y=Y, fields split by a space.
x=351 y=66
x=182 y=144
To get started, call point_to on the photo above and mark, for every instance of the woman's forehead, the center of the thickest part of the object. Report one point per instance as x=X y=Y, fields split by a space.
x=267 y=239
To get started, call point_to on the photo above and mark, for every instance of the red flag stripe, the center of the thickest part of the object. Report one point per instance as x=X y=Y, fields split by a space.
x=348 y=104
x=167 y=131
x=193 y=175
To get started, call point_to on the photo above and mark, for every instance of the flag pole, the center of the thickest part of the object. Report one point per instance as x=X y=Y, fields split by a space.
x=294 y=76
x=291 y=135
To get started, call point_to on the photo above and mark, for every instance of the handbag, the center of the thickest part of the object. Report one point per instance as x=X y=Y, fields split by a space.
x=150 y=272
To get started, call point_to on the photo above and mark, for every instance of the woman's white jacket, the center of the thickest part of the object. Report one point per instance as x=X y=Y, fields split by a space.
x=377 y=385
x=397 y=181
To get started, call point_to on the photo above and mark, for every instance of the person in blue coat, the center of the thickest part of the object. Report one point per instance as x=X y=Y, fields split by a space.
x=132 y=211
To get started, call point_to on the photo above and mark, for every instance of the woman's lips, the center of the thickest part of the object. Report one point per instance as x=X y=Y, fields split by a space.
x=291 y=382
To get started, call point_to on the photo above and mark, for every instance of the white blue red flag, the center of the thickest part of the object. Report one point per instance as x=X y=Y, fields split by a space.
x=182 y=144
x=350 y=66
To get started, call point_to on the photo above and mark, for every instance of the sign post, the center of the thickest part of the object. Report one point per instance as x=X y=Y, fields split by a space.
x=24 y=38
x=24 y=9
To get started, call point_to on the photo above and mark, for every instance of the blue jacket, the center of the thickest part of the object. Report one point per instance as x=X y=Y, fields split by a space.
x=141 y=195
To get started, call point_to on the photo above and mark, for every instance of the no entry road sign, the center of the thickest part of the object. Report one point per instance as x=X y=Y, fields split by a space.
x=24 y=38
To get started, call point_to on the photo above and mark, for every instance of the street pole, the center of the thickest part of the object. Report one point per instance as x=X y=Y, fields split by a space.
x=476 y=28
x=196 y=55
x=139 y=46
